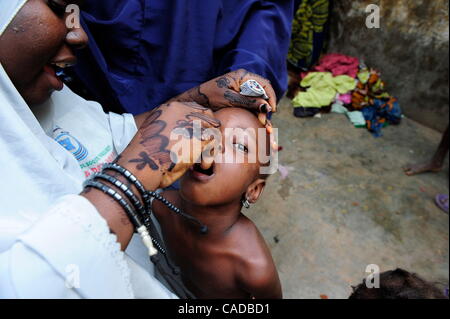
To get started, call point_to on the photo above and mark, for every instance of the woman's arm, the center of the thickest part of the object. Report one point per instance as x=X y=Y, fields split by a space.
x=68 y=253
x=258 y=34
x=72 y=251
x=224 y=91
x=140 y=119
x=149 y=158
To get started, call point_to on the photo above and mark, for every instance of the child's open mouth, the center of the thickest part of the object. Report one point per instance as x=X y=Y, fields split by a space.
x=53 y=72
x=202 y=174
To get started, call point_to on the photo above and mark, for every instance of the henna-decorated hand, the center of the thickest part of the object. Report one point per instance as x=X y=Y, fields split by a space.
x=224 y=91
x=150 y=155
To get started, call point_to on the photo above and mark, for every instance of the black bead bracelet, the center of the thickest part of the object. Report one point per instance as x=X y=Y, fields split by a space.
x=125 y=189
x=128 y=175
x=118 y=198
x=147 y=195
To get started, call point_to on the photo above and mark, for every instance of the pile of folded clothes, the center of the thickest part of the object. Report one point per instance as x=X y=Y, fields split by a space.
x=341 y=84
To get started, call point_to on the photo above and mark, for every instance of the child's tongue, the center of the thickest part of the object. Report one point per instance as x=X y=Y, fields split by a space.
x=55 y=82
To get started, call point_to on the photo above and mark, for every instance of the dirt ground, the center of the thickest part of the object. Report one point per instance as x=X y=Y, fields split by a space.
x=346 y=203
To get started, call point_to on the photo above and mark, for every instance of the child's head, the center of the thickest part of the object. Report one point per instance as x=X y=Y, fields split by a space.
x=229 y=180
x=398 y=284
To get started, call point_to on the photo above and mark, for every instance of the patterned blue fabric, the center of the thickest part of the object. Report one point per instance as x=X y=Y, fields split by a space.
x=381 y=113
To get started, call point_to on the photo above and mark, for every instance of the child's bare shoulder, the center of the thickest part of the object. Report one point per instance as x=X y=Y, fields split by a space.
x=253 y=251
x=255 y=268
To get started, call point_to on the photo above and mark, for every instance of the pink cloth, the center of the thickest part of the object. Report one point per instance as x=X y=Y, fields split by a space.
x=345 y=98
x=338 y=64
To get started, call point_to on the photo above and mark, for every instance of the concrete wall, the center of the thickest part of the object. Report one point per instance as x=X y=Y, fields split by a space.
x=410 y=48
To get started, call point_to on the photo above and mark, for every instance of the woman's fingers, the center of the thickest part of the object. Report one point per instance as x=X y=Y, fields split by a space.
x=262 y=117
x=208 y=155
x=207 y=119
x=265 y=108
x=257 y=104
x=272 y=96
x=235 y=99
x=245 y=76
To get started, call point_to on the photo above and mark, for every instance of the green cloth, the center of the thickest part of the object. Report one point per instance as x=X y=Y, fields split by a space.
x=356 y=117
x=323 y=88
x=364 y=76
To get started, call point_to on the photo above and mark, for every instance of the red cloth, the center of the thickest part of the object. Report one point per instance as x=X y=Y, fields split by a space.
x=338 y=64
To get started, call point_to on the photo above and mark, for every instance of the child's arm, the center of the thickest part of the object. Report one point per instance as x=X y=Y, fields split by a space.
x=256 y=271
x=260 y=279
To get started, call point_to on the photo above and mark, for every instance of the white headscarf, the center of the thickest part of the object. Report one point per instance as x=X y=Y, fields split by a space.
x=34 y=169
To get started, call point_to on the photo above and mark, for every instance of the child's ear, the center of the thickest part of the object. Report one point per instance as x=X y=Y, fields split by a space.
x=255 y=190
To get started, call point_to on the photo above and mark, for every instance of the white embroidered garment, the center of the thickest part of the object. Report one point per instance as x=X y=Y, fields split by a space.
x=53 y=243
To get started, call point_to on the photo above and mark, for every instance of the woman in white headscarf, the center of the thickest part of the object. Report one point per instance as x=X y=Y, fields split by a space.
x=55 y=243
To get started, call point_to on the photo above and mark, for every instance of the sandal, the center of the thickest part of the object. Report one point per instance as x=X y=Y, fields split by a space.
x=442 y=202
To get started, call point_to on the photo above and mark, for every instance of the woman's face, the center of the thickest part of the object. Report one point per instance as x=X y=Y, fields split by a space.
x=34 y=43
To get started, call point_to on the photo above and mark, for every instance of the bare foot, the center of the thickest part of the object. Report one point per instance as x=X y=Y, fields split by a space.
x=411 y=170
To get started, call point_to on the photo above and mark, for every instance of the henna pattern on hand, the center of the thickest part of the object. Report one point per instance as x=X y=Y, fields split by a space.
x=183 y=127
x=194 y=95
x=155 y=144
x=201 y=116
x=237 y=99
x=195 y=106
x=156 y=154
x=253 y=75
x=187 y=126
x=202 y=99
x=187 y=96
x=223 y=83
x=145 y=161
x=151 y=118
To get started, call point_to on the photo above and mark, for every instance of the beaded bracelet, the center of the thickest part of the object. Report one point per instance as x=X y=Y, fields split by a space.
x=124 y=188
x=118 y=198
x=135 y=181
x=146 y=195
x=136 y=203
x=129 y=176
x=138 y=224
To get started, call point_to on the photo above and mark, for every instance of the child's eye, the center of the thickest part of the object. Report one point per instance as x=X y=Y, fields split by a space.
x=241 y=147
x=58 y=6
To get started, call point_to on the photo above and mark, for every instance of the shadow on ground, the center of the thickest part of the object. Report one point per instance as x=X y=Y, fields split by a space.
x=347 y=204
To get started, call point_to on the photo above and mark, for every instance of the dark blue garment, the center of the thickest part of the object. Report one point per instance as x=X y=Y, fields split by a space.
x=144 y=52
